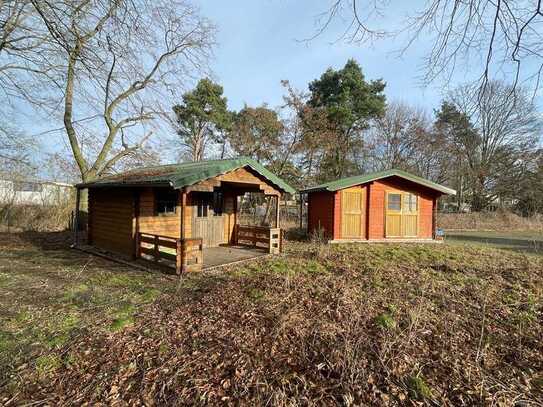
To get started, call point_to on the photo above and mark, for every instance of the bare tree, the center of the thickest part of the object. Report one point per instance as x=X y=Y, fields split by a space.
x=25 y=50
x=502 y=36
x=396 y=137
x=115 y=64
x=505 y=130
x=310 y=132
x=16 y=150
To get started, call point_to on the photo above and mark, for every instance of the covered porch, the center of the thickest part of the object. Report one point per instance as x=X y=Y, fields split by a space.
x=190 y=254
x=191 y=216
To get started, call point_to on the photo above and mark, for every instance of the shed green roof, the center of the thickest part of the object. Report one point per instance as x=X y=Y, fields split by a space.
x=374 y=176
x=183 y=175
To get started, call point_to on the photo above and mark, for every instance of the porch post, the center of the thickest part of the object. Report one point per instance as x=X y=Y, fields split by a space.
x=434 y=217
x=180 y=261
x=277 y=210
x=136 y=225
x=76 y=218
x=301 y=210
x=235 y=234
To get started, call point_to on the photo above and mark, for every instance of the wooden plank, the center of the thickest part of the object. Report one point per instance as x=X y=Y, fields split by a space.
x=254 y=239
x=192 y=241
x=112 y=210
x=162 y=242
x=409 y=225
x=168 y=256
x=148 y=251
x=112 y=230
x=161 y=255
x=136 y=223
x=352 y=213
x=162 y=237
x=178 y=257
x=182 y=232
x=157 y=250
x=237 y=176
x=277 y=210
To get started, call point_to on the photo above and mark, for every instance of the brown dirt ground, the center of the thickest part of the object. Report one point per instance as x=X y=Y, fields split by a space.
x=326 y=325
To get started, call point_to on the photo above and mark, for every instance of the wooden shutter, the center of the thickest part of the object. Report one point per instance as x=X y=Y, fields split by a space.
x=410 y=215
x=352 y=214
x=401 y=213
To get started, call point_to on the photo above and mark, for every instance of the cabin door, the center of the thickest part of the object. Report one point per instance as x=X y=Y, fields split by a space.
x=353 y=214
x=401 y=212
x=208 y=219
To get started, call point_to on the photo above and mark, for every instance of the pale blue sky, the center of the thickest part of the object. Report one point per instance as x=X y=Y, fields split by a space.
x=260 y=44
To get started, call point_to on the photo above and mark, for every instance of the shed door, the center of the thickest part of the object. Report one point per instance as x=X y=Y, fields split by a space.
x=208 y=219
x=352 y=214
x=401 y=212
x=409 y=215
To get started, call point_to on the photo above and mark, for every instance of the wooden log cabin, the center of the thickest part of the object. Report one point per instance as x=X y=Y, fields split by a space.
x=389 y=205
x=182 y=213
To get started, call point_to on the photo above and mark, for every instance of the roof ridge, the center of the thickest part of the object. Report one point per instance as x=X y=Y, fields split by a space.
x=373 y=176
x=185 y=174
x=169 y=165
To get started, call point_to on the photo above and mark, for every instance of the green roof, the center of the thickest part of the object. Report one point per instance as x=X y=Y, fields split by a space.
x=183 y=175
x=362 y=179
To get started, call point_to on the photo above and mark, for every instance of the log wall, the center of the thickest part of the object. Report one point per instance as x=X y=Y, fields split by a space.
x=150 y=222
x=111 y=220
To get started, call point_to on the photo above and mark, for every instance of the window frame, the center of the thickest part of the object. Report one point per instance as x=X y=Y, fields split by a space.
x=388 y=208
x=163 y=205
x=217 y=202
x=202 y=205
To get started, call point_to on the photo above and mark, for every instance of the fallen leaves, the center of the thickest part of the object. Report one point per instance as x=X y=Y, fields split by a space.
x=263 y=336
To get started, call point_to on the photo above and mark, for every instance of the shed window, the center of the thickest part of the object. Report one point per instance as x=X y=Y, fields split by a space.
x=209 y=202
x=394 y=202
x=202 y=204
x=411 y=202
x=218 y=200
x=165 y=202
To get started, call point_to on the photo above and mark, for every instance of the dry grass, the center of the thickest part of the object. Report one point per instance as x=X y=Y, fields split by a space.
x=35 y=217
x=498 y=221
x=371 y=324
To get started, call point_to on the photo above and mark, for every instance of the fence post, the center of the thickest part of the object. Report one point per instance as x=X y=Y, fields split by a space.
x=138 y=245
x=156 y=250
x=277 y=210
x=178 y=256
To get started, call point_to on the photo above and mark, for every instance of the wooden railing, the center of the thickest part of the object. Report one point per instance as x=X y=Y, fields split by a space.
x=185 y=253
x=266 y=237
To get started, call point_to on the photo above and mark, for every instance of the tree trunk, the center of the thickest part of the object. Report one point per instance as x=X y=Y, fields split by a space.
x=68 y=115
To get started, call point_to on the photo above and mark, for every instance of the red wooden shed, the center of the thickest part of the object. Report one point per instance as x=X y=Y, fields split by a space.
x=384 y=205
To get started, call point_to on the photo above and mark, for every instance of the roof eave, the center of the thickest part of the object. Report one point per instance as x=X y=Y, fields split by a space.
x=123 y=184
x=315 y=189
x=387 y=174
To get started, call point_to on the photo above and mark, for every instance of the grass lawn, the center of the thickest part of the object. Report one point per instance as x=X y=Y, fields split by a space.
x=531 y=241
x=336 y=324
